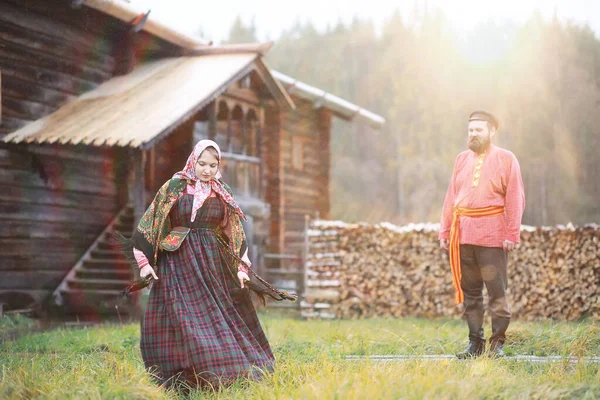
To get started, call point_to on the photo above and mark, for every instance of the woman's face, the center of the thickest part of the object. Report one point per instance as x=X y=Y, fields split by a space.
x=207 y=166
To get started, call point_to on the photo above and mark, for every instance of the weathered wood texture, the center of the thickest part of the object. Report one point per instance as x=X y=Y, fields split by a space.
x=55 y=200
x=357 y=271
x=52 y=206
x=305 y=189
x=51 y=52
x=273 y=142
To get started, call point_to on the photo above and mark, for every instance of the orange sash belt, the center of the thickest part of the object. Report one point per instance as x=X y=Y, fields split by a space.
x=455 y=240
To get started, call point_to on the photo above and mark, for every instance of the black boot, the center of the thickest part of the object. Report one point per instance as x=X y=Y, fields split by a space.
x=476 y=346
x=499 y=327
x=496 y=349
x=474 y=349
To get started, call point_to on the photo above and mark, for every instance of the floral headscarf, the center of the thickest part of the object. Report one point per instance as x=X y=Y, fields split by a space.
x=202 y=189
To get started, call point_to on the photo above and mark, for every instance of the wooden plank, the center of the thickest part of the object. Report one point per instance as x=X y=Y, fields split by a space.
x=26 y=109
x=46 y=229
x=87 y=154
x=311 y=166
x=51 y=28
x=37 y=295
x=243 y=94
x=20 y=89
x=49 y=247
x=324 y=128
x=33 y=261
x=274 y=182
x=36 y=280
x=11 y=124
x=16 y=158
x=35 y=212
x=73 y=183
x=311 y=156
x=46 y=77
x=240 y=158
x=307 y=191
x=300 y=180
x=301 y=208
x=294 y=235
x=21 y=49
x=139 y=189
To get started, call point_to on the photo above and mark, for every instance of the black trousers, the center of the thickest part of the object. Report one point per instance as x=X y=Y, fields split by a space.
x=485 y=265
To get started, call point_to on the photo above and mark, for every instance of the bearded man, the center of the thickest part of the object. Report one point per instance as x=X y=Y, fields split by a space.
x=481 y=224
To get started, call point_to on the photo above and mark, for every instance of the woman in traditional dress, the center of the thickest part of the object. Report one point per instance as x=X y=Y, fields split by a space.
x=200 y=326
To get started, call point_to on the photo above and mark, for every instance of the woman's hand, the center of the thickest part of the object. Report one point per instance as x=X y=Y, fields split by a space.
x=147 y=270
x=242 y=276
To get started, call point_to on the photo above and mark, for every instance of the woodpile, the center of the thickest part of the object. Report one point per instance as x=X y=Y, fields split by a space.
x=360 y=270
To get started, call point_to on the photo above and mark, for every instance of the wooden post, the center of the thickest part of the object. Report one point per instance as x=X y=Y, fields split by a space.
x=324 y=134
x=229 y=133
x=212 y=120
x=305 y=256
x=244 y=134
x=259 y=152
x=274 y=192
x=139 y=181
x=151 y=171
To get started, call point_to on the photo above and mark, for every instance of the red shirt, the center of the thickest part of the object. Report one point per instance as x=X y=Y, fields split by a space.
x=497 y=182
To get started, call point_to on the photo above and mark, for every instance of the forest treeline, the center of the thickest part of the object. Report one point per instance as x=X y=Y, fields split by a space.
x=541 y=78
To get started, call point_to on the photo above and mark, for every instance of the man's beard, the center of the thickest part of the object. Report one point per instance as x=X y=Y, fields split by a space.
x=479 y=145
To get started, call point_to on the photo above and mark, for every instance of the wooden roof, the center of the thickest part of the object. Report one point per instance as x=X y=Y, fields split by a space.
x=340 y=107
x=136 y=109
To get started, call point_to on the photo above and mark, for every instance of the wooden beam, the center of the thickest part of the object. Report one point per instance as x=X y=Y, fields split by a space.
x=275 y=183
x=139 y=189
x=324 y=117
x=236 y=48
x=244 y=134
x=228 y=145
x=240 y=157
x=245 y=95
x=212 y=119
x=259 y=152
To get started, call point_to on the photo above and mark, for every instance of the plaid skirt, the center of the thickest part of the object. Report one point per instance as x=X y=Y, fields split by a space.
x=192 y=330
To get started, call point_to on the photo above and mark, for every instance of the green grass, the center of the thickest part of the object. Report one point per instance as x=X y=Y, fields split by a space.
x=8 y=322
x=105 y=363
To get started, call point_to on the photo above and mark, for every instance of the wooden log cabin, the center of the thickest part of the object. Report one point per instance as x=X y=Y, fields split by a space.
x=101 y=105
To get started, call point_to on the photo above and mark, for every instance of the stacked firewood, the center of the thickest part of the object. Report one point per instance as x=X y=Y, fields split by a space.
x=360 y=270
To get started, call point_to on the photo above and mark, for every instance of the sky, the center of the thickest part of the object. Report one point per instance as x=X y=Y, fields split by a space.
x=272 y=17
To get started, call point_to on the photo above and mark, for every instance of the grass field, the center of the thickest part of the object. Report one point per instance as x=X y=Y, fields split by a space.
x=105 y=363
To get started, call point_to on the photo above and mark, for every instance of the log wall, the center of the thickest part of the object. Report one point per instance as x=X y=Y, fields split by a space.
x=360 y=270
x=55 y=200
x=305 y=189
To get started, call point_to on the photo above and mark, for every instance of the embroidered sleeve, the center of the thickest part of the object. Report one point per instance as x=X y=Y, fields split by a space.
x=155 y=224
x=141 y=259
